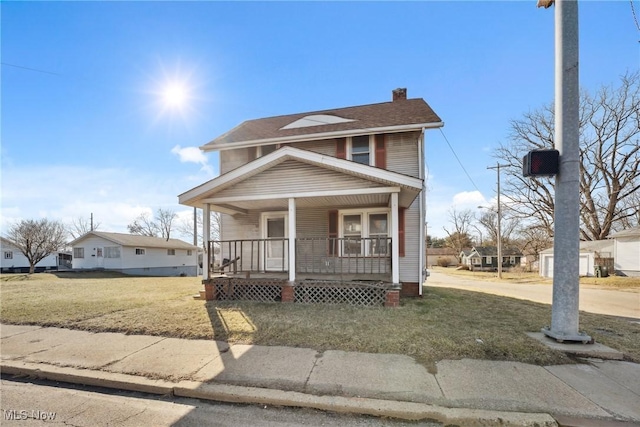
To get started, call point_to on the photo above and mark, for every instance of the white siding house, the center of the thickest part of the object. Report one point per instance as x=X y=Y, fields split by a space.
x=135 y=255
x=626 y=249
x=14 y=261
x=589 y=252
x=332 y=194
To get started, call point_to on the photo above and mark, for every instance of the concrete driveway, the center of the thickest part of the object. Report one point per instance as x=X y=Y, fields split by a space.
x=624 y=303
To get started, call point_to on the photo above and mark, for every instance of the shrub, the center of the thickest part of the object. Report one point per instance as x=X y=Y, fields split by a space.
x=443 y=262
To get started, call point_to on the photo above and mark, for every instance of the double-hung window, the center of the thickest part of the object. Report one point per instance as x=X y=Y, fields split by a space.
x=140 y=251
x=78 y=252
x=360 y=149
x=112 y=252
x=365 y=233
x=8 y=255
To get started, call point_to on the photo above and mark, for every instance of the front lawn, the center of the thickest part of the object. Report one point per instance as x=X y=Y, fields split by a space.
x=444 y=324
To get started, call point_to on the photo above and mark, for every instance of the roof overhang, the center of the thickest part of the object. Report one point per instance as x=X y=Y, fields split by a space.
x=383 y=182
x=213 y=146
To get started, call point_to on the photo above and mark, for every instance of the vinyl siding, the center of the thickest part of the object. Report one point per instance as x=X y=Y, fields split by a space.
x=627 y=255
x=402 y=153
x=409 y=264
x=286 y=178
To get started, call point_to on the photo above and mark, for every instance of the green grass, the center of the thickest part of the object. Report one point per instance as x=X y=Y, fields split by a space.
x=444 y=324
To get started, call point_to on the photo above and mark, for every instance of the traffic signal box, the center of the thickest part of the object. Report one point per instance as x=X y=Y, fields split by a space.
x=541 y=163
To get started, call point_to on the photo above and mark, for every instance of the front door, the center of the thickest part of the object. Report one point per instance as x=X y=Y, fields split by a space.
x=274 y=231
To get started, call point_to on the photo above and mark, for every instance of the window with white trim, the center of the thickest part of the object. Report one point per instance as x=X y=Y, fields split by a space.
x=8 y=255
x=487 y=260
x=189 y=252
x=364 y=232
x=112 y=252
x=361 y=149
x=476 y=260
x=78 y=252
x=171 y=251
x=140 y=251
x=512 y=260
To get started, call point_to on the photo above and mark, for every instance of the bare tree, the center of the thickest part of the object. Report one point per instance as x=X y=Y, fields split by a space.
x=489 y=221
x=609 y=161
x=185 y=227
x=37 y=239
x=144 y=226
x=81 y=226
x=164 y=218
x=533 y=240
x=458 y=238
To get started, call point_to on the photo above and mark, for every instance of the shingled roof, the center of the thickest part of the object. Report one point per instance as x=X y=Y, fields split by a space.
x=398 y=115
x=135 y=240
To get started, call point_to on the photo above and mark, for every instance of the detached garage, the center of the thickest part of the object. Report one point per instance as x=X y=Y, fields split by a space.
x=591 y=254
x=626 y=249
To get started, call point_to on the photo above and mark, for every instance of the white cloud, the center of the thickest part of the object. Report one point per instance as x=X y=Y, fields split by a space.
x=193 y=155
x=468 y=200
x=114 y=196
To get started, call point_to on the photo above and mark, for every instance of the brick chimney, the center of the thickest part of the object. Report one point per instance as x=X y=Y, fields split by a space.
x=399 y=94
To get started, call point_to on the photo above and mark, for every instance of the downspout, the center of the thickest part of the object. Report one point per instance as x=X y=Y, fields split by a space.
x=422 y=261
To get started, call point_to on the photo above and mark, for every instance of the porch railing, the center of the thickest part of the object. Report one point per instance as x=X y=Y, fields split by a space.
x=331 y=255
x=249 y=255
x=346 y=255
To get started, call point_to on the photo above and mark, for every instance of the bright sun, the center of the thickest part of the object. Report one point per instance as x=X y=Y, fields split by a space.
x=174 y=95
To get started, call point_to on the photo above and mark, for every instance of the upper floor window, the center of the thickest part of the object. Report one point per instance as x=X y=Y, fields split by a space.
x=78 y=252
x=263 y=150
x=359 y=149
x=8 y=255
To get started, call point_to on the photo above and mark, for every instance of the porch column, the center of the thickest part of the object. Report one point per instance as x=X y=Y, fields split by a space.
x=292 y=239
x=206 y=219
x=395 y=240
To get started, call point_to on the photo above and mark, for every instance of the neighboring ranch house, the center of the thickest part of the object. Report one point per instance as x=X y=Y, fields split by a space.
x=592 y=253
x=135 y=255
x=485 y=258
x=626 y=252
x=14 y=261
x=334 y=194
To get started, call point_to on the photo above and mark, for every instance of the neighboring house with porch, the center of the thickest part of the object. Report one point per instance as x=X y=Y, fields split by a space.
x=326 y=195
x=592 y=253
x=626 y=252
x=14 y=261
x=135 y=255
x=485 y=258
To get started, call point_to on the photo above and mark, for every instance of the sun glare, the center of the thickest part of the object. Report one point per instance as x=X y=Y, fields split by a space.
x=174 y=95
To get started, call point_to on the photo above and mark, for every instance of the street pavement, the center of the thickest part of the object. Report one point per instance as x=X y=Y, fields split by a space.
x=461 y=392
x=614 y=302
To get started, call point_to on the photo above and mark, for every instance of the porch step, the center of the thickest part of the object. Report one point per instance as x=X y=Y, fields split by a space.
x=200 y=296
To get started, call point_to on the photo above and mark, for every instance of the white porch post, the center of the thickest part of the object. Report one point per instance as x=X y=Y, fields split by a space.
x=206 y=219
x=395 y=240
x=292 y=239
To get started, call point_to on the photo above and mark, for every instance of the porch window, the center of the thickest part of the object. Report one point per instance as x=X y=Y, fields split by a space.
x=8 y=255
x=112 y=252
x=78 y=252
x=352 y=226
x=365 y=232
x=140 y=251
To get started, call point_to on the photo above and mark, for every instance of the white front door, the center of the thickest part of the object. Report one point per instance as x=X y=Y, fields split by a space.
x=274 y=231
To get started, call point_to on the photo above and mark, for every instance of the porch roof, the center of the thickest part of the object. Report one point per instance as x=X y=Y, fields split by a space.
x=310 y=178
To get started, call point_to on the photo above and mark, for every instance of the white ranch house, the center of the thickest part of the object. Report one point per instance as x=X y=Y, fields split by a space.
x=14 y=261
x=325 y=195
x=135 y=255
x=626 y=250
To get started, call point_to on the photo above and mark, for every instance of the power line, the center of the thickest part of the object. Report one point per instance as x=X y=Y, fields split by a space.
x=459 y=162
x=30 y=69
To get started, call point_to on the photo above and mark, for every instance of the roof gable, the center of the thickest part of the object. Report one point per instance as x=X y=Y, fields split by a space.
x=383 y=117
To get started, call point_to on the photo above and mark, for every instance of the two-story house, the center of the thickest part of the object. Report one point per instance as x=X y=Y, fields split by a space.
x=333 y=194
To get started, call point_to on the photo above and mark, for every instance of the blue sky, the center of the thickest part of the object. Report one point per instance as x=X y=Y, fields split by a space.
x=84 y=128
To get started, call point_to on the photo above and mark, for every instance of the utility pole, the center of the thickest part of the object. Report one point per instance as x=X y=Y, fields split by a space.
x=497 y=168
x=566 y=238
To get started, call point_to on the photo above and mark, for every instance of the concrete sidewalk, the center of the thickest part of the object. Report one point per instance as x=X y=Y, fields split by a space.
x=462 y=392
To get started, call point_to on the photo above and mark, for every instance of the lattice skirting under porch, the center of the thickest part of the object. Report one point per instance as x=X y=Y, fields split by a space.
x=304 y=292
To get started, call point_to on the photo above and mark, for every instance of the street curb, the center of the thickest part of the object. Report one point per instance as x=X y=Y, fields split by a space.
x=253 y=395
